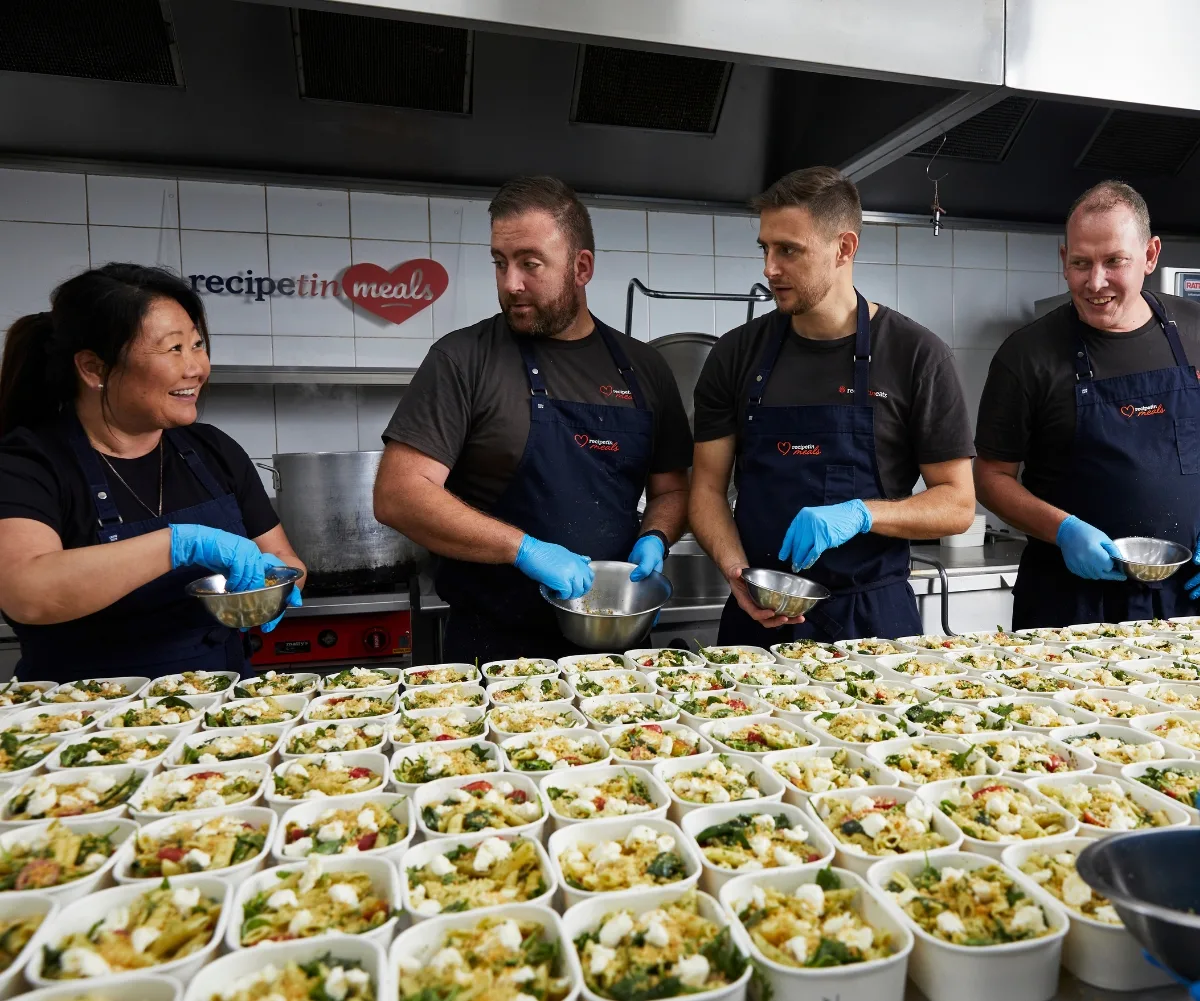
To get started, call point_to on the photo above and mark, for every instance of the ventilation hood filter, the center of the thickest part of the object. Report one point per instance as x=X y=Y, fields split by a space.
x=129 y=41
x=987 y=137
x=382 y=61
x=648 y=90
x=1138 y=143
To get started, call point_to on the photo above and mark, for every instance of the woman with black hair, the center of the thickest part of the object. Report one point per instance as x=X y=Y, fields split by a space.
x=112 y=497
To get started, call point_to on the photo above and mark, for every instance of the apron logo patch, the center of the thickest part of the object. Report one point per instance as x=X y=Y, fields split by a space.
x=597 y=444
x=787 y=448
x=877 y=393
x=1149 y=410
x=620 y=394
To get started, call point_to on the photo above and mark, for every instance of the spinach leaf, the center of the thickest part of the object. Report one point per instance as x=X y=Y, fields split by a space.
x=731 y=832
x=666 y=866
x=831 y=952
x=477 y=820
x=724 y=956
x=827 y=879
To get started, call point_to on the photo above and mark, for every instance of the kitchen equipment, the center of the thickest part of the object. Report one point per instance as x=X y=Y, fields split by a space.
x=245 y=609
x=325 y=501
x=1150 y=560
x=1152 y=878
x=783 y=593
x=616 y=612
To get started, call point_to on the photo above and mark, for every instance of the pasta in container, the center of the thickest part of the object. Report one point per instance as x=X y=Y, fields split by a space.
x=478 y=873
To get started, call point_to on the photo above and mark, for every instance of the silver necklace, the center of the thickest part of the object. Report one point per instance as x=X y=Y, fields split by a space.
x=158 y=513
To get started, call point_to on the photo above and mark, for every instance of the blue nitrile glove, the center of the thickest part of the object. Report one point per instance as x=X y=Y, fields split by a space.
x=562 y=571
x=1193 y=988
x=1087 y=551
x=816 y=529
x=294 y=599
x=238 y=558
x=1193 y=586
x=647 y=553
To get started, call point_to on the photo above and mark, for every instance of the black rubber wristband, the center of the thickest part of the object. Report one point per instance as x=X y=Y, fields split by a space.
x=661 y=538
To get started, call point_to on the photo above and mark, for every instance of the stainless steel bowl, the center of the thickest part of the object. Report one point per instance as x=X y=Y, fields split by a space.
x=783 y=593
x=1149 y=560
x=616 y=612
x=1153 y=880
x=245 y=609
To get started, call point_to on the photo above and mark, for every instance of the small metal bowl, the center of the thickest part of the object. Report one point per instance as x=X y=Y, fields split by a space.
x=783 y=593
x=1150 y=560
x=616 y=612
x=1152 y=878
x=245 y=609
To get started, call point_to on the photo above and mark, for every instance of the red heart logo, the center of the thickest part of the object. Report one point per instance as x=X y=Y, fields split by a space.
x=784 y=447
x=581 y=440
x=399 y=294
x=1127 y=410
x=606 y=390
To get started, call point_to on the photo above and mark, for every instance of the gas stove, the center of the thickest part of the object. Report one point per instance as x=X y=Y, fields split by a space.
x=338 y=630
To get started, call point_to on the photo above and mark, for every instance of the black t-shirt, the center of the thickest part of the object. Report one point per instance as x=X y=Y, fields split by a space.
x=41 y=479
x=920 y=414
x=1027 y=411
x=468 y=404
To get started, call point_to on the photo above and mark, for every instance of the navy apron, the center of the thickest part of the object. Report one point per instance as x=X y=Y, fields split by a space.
x=577 y=484
x=1133 y=471
x=155 y=629
x=810 y=456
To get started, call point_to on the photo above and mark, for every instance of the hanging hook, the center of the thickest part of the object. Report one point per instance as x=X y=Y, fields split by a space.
x=936 y=207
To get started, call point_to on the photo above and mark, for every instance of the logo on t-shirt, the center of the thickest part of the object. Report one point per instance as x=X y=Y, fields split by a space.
x=597 y=444
x=878 y=393
x=787 y=448
x=1149 y=410
x=620 y=394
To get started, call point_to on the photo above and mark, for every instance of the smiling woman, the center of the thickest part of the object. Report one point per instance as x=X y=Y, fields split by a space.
x=112 y=497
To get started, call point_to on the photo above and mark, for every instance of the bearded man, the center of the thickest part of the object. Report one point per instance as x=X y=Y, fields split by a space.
x=830 y=408
x=523 y=445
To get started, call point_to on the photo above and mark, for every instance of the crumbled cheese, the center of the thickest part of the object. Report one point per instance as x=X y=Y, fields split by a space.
x=298 y=848
x=692 y=971
x=1029 y=918
x=140 y=938
x=343 y=893
x=300 y=921
x=615 y=929
x=949 y=923
x=282 y=898
x=196 y=857
x=84 y=963
x=186 y=898
x=601 y=957
x=439 y=865
x=812 y=895
x=509 y=935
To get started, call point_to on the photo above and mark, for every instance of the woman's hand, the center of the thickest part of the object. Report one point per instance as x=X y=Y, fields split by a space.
x=239 y=559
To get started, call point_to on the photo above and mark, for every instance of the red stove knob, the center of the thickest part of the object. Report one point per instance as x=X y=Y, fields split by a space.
x=376 y=639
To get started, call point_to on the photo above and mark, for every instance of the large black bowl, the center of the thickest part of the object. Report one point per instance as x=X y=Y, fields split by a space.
x=1153 y=880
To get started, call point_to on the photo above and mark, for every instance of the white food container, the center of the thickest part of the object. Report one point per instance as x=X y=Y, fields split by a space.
x=312 y=684
x=876 y=980
x=69 y=776
x=635 y=657
x=460 y=689
x=1080 y=716
x=221 y=696
x=813 y=724
x=1126 y=734
x=613 y=733
x=587 y=916
x=797 y=718
x=1075 y=759
x=82 y=914
x=935 y=792
x=1113 y=695
x=740 y=674
x=373 y=760
x=117 y=710
x=391 y=685
x=410 y=677
x=854 y=858
x=439 y=790
x=408 y=751
x=1148 y=724
x=289 y=735
x=1155 y=690
x=119 y=831
x=11 y=981
x=16 y=719
x=1143 y=796
x=384 y=884
x=721 y=678
x=424 y=940
x=756 y=706
x=638 y=681
x=879 y=775
x=714 y=877
x=322 y=703
x=398 y=805
x=570 y=665
x=618 y=829
x=42 y=687
x=879 y=752
x=133 y=685
x=173 y=737
x=472 y=714
x=1135 y=771
x=769 y=784
x=1100 y=954
x=141 y=986
x=495 y=670
x=943 y=668
x=418 y=856
x=594 y=775
x=817 y=653
x=901 y=693
x=585 y=736
x=768 y=657
x=228 y=970
x=19 y=775
x=851 y=649
x=294 y=703
x=500 y=735
x=598 y=702
x=565 y=693
x=716 y=729
x=1013 y=971
x=1007 y=677
x=995 y=689
x=140 y=812
x=174 y=757
x=258 y=816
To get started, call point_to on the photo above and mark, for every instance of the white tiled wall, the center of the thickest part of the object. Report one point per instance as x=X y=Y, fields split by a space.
x=971 y=287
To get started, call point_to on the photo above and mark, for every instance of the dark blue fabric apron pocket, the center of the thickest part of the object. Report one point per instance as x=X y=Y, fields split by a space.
x=839 y=484
x=1187 y=440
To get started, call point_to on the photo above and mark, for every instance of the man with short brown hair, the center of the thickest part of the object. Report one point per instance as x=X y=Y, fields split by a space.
x=829 y=407
x=524 y=442
x=1099 y=400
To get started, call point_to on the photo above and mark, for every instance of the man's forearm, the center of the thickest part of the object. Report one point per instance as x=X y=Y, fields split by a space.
x=666 y=513
x=433 y=517
x=1008 y=498
x=714 y=528
x=945 y=509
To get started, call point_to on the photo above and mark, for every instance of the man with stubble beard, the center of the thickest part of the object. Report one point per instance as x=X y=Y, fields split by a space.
x=524 y=443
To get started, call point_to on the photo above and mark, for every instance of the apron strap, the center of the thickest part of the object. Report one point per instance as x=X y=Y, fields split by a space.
x=1083 y=363
x=195 y=463
x=624 y=366
x=770 y=355
x=107 y=514
x=537 y=385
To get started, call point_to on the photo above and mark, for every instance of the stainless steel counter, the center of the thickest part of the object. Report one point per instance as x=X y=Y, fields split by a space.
x=1002 y=556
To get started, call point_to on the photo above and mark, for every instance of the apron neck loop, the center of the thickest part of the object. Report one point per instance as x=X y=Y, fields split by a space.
x=1083 y=363
x=104 y=506
x=198 y=468
x=862 y=353
x=770 y=355
x=537 y=384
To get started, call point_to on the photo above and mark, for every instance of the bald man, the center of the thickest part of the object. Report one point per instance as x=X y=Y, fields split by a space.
x=1100 y=400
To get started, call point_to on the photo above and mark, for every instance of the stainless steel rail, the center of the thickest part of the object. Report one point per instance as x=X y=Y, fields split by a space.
x=941 y=572
x=757 y=293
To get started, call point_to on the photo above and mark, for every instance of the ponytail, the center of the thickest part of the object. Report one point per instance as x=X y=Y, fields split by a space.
x=100 y=311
